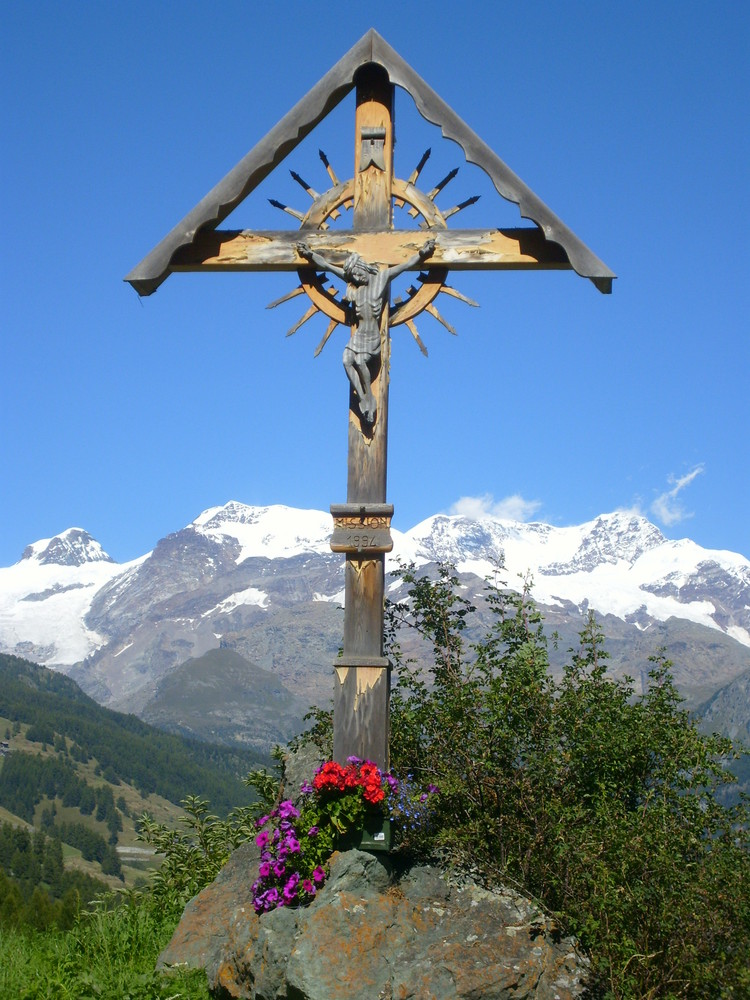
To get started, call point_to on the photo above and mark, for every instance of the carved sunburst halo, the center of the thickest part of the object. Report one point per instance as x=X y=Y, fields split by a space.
x=326 y=298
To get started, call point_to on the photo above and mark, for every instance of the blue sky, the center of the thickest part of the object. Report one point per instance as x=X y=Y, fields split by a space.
x=128 y=417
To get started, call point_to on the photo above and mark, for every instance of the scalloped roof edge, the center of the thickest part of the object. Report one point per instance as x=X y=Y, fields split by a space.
x=266 y=155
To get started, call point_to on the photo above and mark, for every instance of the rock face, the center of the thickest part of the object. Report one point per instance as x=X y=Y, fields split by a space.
x=375 y=933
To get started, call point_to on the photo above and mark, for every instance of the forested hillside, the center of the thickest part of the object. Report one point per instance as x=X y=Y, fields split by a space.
x=74 y=780
x=36 y=888
x=56 y=714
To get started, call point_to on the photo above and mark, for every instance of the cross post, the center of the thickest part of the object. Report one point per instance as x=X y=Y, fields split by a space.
x=362 y=524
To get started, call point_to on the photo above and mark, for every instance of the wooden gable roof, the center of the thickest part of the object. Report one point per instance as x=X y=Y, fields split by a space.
x=307 y=113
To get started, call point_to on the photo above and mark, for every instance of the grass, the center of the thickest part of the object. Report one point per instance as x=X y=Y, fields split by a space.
x=109 y=955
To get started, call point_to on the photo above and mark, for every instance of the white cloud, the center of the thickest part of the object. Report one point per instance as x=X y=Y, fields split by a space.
x=513 y=508
x=634 y=510
x=666 y=507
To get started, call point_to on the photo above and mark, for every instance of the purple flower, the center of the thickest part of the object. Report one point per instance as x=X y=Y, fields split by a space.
x=319 y=875
x=313 y=831
x=306 y=788
x=279 y=869
x=287 y=810
x=290 y=889
x=433 y=789
x=265 y=869
x=262 y=839
x=308 y=886
x=353 y=760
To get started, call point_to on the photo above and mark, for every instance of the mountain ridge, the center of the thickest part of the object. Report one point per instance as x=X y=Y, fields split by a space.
x=263 y=582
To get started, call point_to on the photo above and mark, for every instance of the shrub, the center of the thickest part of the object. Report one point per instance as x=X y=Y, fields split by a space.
x=601 y=805
x=194 y=855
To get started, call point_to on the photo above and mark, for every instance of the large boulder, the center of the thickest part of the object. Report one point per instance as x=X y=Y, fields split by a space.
x=375 y=932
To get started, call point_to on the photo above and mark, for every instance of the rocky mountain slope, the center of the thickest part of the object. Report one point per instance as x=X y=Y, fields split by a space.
x=262 y=582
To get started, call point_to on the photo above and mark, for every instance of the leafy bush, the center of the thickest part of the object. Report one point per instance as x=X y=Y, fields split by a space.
x=599 y=804
x=194 y=855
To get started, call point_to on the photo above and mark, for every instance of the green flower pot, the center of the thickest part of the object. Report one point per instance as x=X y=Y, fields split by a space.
x=375 y=835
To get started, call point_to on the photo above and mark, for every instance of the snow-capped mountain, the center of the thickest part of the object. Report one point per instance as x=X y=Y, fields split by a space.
x=619 y=564
x=263 y=581
x=46 y=596
x=73 y=547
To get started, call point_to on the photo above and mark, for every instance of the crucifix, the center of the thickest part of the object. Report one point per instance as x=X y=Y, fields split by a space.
x=367 y=256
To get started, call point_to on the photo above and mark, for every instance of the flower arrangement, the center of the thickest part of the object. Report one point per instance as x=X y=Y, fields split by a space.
x=296 y=843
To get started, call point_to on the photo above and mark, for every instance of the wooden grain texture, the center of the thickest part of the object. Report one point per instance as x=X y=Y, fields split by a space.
x=523 y=248
x=292 y=129
x=372 y=185
x=360 y=710
x=363 y=624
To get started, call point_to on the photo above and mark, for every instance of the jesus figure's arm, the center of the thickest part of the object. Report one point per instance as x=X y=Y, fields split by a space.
x=319 y=261
x=423 y=253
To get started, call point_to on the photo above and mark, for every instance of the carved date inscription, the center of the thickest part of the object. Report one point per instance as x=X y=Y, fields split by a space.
x=370 y=533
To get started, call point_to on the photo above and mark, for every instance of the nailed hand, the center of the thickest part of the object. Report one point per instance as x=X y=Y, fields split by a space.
x=428 y=249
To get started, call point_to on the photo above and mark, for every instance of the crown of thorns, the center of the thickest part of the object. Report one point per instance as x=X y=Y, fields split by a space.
x=353 y=261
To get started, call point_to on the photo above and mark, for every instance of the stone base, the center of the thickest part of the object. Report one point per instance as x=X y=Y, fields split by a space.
x=375 y=933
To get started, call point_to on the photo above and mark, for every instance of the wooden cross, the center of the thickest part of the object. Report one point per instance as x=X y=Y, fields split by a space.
x=366 y=257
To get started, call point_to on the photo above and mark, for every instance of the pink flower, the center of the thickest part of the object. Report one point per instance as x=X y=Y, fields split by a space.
x=319 y=875
x=287 y=810
x=290 y=889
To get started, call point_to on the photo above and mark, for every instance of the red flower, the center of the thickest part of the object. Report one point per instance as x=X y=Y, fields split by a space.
x=365 y=775
x=373 y=794
x=351 y=778
x=330 y=776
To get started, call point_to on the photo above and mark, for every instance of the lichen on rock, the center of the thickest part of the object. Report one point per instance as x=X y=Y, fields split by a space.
x=377 y=930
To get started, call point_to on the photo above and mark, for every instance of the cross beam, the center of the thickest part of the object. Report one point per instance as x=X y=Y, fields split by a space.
x=459 y=249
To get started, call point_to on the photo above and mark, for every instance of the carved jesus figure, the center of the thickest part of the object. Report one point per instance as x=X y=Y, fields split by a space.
x=366 y=291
